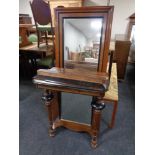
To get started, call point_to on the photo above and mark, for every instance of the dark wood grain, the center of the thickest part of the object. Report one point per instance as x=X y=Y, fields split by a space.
x=72 y=74
x=69 y=80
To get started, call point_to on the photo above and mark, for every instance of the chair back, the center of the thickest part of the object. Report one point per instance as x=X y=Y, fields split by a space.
x=41 y=12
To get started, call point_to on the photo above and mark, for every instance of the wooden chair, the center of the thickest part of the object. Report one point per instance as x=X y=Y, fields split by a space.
x=43 y=21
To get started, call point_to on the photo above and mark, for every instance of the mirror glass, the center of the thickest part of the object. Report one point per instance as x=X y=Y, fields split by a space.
x=82 y=39
x=76 y=107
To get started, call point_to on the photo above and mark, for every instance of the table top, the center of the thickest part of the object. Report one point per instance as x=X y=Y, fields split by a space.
x=25 y=25
x=71 y=80
x=43 y=48
x=73 y=74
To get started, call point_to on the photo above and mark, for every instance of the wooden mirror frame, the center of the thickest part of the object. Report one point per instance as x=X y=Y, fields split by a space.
x=105 y=12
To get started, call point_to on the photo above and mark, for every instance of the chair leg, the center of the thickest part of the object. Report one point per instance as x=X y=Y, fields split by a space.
x=113 y=114
x=46 y=37
x=53 y=49
x=38 y=34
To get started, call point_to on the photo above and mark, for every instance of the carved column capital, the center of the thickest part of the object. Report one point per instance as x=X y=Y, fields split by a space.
x=47 y=98
x=98 y=104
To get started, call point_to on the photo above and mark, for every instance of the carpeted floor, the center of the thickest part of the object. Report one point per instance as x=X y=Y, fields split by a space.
x=34 y=139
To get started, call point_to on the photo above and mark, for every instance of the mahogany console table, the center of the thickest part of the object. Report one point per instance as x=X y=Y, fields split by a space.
x=82 y=79
x=57 y=80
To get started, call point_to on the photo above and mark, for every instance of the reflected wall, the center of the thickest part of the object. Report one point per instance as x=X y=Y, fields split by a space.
x=82 y=37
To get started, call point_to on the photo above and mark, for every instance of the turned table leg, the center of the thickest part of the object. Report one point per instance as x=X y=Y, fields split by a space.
x=48 y=99
x=97 y=106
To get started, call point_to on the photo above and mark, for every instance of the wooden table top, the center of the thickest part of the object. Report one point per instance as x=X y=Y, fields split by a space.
x=73 y=74
x=25 y=25
x=72 y=80
x=33 y=48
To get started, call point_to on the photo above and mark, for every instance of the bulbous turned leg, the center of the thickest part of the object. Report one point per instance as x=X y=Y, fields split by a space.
x=97 y=106
x=47 y=98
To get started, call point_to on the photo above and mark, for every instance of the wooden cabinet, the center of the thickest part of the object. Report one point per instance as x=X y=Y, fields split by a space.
x=122 y=48
x=65 y=3
x=25 y=19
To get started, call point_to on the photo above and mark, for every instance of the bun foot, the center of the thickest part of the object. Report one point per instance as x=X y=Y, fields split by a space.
x=94 y=143
x=51 y=132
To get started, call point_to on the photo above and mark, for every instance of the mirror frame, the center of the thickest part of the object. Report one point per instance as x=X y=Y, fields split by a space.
x=105 y=12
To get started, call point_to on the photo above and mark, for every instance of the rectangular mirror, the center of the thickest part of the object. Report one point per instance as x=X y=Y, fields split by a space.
x=82 y=40
x=76 y=107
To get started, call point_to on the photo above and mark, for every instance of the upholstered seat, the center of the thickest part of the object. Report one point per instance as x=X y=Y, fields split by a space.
x=44 y=28
x=33 y=38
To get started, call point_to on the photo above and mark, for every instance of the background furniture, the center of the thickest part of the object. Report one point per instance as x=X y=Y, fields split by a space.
x=122 y=48
x=43 y=20
x=112 y=94
x=33 y=58
x=65 y=3
x=23 y=34
x=25 y=19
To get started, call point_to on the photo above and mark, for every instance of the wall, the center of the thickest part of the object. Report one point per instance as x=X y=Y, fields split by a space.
x=24 y=7
x=73 y=38
x=95 y=2
x=122 y=10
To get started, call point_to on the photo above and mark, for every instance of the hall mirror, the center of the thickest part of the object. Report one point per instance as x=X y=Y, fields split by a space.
x=83 y=37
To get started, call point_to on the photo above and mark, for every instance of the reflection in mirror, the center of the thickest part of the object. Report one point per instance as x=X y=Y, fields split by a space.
x=76 y=107
x=82 y=43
